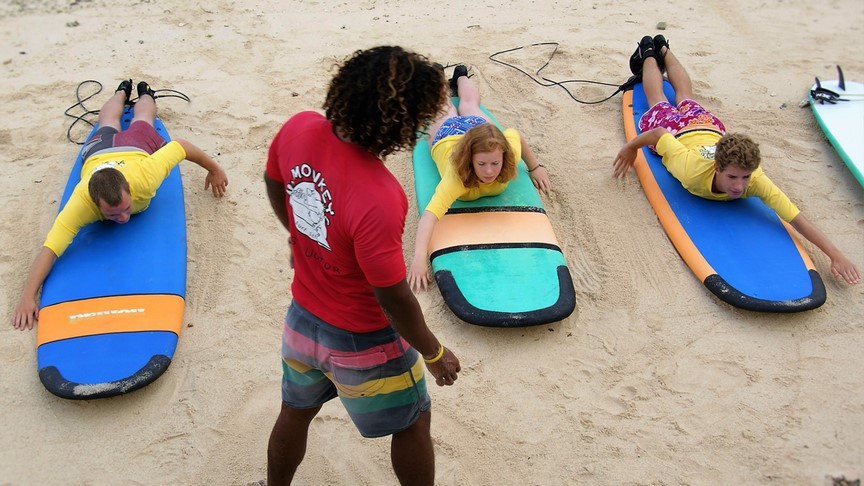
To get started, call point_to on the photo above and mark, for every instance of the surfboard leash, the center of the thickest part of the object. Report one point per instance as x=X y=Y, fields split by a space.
x=80 y=103
x=551 y=82
x=83 y=117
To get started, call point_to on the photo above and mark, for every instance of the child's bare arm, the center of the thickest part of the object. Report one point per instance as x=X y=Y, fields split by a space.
x=627 y=155
x=840 y=265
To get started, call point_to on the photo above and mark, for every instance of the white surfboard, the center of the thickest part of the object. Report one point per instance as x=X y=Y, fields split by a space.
x=843 y=122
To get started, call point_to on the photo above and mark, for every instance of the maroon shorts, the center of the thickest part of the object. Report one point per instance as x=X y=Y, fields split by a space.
x=139 y=136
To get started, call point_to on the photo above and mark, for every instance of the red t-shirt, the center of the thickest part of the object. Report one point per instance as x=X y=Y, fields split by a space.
x=346 y=213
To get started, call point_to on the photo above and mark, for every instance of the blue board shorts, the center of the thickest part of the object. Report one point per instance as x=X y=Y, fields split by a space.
x=457 y=125
x=378 y=377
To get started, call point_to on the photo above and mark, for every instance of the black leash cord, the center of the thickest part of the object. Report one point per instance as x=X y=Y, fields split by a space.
x=159 y=93
x=80 y=103
x=551 y=82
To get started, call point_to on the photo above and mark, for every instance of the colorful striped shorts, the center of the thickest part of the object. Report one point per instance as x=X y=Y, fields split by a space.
x=378 y=377
x=457 y=125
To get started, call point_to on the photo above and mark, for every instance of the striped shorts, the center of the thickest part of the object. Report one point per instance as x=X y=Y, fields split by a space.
x=378 y=377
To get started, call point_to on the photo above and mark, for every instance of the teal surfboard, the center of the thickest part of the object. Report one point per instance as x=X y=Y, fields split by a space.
x=496 y=260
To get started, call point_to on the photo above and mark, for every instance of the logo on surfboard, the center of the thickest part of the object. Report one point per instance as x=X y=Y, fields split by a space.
x=110 y=312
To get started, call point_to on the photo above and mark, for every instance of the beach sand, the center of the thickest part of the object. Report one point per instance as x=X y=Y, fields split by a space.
x=652 y=380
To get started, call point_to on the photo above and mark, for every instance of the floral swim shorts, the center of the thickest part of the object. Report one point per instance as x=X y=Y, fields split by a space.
x=686 y=117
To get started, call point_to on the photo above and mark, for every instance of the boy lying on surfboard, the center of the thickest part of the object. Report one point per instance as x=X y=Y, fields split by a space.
x=475 y=159
x=697 y=151
x=122 y=171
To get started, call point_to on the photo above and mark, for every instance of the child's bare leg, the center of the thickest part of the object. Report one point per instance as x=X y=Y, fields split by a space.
x=469 y=98
x=677 y=76
x=448 y=112
x=652 y=81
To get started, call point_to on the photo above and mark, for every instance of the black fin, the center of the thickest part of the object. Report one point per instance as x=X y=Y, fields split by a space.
x=840 y=82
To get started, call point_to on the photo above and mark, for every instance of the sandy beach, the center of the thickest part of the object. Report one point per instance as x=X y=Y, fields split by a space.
x=652 y=381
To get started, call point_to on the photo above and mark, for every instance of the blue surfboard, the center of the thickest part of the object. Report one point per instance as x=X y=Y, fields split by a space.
x=495 y=259
x=112 y=307
x=740 y=250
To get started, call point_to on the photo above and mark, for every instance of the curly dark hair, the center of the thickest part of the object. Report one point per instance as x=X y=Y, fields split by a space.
x=382 y=96
x=739 y=150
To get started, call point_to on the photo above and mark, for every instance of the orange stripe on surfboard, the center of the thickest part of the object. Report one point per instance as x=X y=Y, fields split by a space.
x=804 y=255
x=105 y=315
x=491 y=227
x=691 y=255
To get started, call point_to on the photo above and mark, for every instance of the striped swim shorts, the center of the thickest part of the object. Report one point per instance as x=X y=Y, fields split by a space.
x=378 y=377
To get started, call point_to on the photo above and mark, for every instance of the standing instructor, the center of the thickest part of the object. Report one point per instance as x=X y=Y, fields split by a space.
x=354 y=328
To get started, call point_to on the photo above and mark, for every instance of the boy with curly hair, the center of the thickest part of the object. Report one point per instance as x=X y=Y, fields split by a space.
x=697 y=151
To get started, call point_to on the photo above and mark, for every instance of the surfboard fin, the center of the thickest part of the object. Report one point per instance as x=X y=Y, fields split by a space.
x=840 y=81
x=824 y=95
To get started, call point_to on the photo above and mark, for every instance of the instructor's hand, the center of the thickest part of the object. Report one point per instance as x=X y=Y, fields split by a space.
x=446 y=369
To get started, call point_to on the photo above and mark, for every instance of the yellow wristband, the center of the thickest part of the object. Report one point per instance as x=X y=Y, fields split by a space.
x=437 y=357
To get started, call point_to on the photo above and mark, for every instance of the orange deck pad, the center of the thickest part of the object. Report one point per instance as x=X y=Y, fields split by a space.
x=107 y=315
x=491 y=227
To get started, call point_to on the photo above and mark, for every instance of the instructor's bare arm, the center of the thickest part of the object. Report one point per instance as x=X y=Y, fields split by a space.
x=276 y=195
x=403 y=311
x=27 y=312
